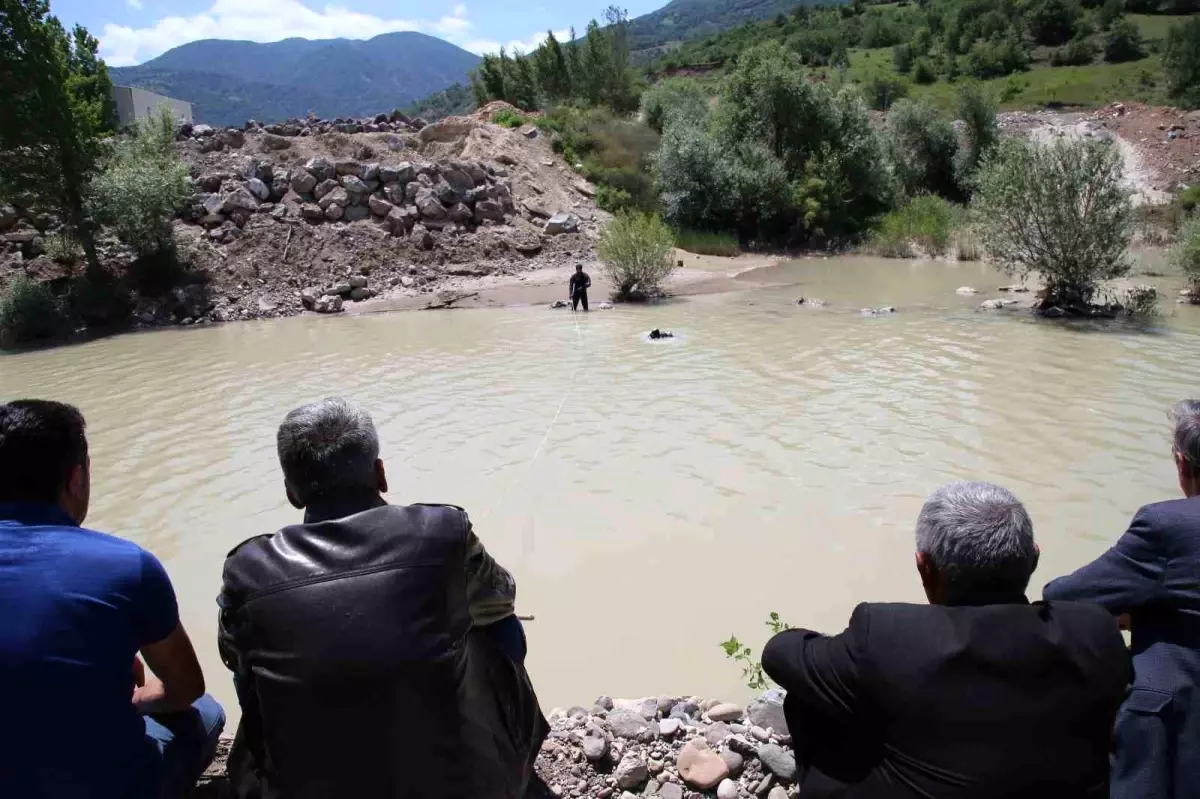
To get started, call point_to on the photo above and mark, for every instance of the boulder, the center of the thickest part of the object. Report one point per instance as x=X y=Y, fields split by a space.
x=995 y=305
x=631 y=772
x=669 y=728
x=646 y=707
x=356 y=213
x=529 y=132
x=459 y=181
x=767 y=711
x=422 y=237
x=595 y=748
x=699 y=766
x=405 y=172
x=489 y=209
x=394 y=192
x=357 y=281
x=398 y=222
x=361 y=293
x=320 y=168
x=212 y=144
x=726 y=711
x=631 y=725
x=303 y=182
x=966 y=291
x=311 y=211
x=323 y=188
x=210 y=182
x=411 y=190
x=271 y=141
x=202 y=131
x=328 y=304
x=429 y=206
x=369 y=172
x=280 y=185
x=232 y=138
x=727 y=789
x=672 y=790
x=240 y=199
x=258 y=189
x=347 y=166
x=715 y=734
x=210 y=221
x=334 y=212
x=459 y=213
x=778 y=761
x=354 y=184
x=445 y=194
x=379 y=206
x=338 y=196
x=309 y=297
x=778 y=792
x=213 y=204
x=561 y=223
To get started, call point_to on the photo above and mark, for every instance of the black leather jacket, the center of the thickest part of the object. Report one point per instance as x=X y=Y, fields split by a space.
x=357 y=665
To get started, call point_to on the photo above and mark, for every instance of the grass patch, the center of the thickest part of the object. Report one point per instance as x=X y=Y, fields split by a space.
x=699 y=242
x=1155 y=26
x=508 y=118
x=925 y=224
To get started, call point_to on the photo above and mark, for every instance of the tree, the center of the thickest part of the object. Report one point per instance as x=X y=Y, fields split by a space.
x=977 y=111
x=902 y=58
x=923 y=146
x=672 y=97
x=1185 y=255
x=551 y=69
x=1123 y=43
x=636 y=252
x=1181 y=57
x=1052 y=22
x=57 y=104
x=1060 y=210
x=1109 y=13
x=616 y=75
x=521 y=85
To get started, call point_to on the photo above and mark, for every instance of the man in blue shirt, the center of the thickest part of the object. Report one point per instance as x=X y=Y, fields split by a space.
x=82 y=718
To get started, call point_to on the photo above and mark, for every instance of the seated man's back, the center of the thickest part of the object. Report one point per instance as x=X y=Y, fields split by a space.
x=358 y=645
x=979 y=694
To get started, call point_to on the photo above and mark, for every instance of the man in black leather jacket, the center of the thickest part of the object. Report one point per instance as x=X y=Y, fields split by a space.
x=374 y=647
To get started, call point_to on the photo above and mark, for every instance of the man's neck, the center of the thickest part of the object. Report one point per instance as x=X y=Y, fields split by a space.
x=338 y=506
x=979 y=598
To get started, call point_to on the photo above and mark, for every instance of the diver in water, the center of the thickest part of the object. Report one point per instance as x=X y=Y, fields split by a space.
x=580 y=283
x=656 y=334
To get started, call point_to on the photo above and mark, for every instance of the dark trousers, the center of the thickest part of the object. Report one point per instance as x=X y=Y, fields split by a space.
x=579 y=296
x=187 y=743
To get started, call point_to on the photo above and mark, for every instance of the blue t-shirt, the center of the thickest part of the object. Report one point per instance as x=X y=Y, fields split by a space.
x=75 y=608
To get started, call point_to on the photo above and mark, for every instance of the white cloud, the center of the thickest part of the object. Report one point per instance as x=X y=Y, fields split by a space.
x=135 y=4
x=481 y=46
x=269 y=21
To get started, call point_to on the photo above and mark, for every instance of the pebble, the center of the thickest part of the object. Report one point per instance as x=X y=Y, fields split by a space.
x=647 y=707
x=778 y=761
x=715 y=734
x=765 y=786
x=605 y=702
x=669 y=728
x=727 y=789
x=778 y=792
x=595 y=747
x=671 y=791
x=699 y=766
x=631 y=772
x=760 y=734
x=655 y=766
x=767 y=711
x=735 y=761
x=708 y=704
x=966 y=290
x=628 y=724
x=725 y=712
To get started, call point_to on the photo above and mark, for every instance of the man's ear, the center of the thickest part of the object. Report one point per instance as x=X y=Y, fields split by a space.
x=380 y=477
x=929 y=577
x=297 y=504
x=1037 y=554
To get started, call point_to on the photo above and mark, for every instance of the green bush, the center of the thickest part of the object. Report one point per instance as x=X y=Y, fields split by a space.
x=884 y=90
x=1052 y=22
x=673 y=96
x=637 y=254
x=1109 y=12
x=1185 y=255
x=902 y=58
x=29 y=311
x=143 y=186
x=62 y=248
x=1075 y=53
x=1123 y=43
x=998 y=57
x=980 y=131
x=1181 y=57
x=724 y=245
x=923 y=72
x=1189 y=198
x=927 y=221
x=612 y=199
x=1060 y=210
x=509 y=118
x=923 y=146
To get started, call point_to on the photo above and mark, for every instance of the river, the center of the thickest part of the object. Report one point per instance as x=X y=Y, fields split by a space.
x=650 y=497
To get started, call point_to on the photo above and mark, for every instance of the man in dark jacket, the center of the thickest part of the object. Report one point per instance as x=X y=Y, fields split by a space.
x=977 y=694
x=580 y=283
x=1152 y=574
x=374 y=647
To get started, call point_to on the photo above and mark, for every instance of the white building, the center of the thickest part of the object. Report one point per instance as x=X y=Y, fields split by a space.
x=135 y=104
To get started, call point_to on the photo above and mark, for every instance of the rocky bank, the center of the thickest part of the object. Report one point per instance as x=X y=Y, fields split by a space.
x=320 y=214
x=669 y=747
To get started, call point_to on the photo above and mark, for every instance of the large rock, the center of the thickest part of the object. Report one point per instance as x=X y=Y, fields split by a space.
x=394 y=192
x=631 y=772
x=311 y=211
x=727 y=789
x=669 y=728
x=369 y=172
x=459 y=181
x=561 y=223
x=240 y=199
x=778 y=792
x=379 y=206
x=347 y=166
x=334 y=212
x=232 y=138
x=429 y=206
x=354 y=184
x=735 y=761
x=699 y=766
x=338 y=196
x=631 y=725
x=213 y=204
x=309 y=297
x=356 y=213
x=767 y=712
x=715 y=734
x=303 y=182
x=646 y=707
x=726 y=711
x=489 y=209
x=202 y=131
x=324 y=187
x=398 y=222
x=328 y=304
x=259 y=189
x=360 y=294
x=270 y=141
x=778 y=761
x=280 y=185
x=672 y=790
x=459 y=213
x=595 y=748
x=320 y=168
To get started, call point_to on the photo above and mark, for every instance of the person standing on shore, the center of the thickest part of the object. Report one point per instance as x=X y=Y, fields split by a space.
x=81 y=717
x=580 y=283
x=1152 y=576
x=977 y=694
x=374 y=647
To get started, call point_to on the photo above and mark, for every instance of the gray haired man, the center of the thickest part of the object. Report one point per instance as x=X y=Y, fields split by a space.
x=977 y=694
x=1151 y=575
x=374 y=647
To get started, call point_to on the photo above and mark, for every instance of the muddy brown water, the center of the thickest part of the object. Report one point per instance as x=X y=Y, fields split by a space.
x=651 y=498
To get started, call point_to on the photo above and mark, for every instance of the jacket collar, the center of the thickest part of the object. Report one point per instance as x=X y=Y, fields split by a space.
x=996 y=598
x=327 y=508
x=35 y=514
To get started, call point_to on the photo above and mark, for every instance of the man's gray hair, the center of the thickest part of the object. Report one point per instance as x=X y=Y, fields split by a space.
x=328 y=447
x=980 y=537
x=1186 y=415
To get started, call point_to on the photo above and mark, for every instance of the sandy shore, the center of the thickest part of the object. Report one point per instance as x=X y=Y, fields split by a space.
x=700 y=274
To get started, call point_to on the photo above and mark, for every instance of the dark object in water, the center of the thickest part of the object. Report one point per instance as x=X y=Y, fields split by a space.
x=656 y=334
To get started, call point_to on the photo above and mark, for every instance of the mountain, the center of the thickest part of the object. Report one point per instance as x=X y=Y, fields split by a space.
x=229 y=82
x=687 y=19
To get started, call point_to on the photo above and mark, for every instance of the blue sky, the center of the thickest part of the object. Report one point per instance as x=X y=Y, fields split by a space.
x=133 y=31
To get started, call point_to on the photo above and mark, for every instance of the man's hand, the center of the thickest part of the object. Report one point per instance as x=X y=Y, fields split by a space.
x=178 y=680
x=1123 y=622
x=139 y=672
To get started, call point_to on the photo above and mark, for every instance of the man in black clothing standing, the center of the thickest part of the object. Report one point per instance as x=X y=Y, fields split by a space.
x=977 y=694
x=580 y=283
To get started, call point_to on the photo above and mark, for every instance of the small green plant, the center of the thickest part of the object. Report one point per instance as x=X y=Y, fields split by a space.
x=29 y=311
x=752 y=670
x=1189 y=199
x=62 y=248
x=613 y=199
x=1140 y=302
x=927 y=221
x=636 y=250
x=923 y=72
x=508 y=118
x=724 y=245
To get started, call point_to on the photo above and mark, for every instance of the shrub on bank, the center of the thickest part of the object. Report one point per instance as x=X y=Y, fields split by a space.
x=670 y=97
x=724 y=245
x=927 y=221
x=1181 y=57
x=29 y=311
x=1185 y=255
x=923 y=145
x=508 y=118
x=1123 y=43
x=636 y=252
x=1060 y=210
x=1189 y=199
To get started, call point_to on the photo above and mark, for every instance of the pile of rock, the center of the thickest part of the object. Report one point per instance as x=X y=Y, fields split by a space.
x=356 y=288
x=276 y=135
x=409 y=197
x=670 y=747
